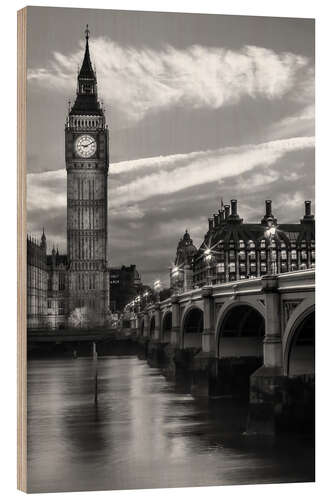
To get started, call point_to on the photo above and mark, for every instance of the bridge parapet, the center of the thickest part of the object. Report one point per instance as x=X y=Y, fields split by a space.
x=297 y=281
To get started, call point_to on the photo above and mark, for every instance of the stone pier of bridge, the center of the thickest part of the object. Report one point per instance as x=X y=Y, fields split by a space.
x=252 y=338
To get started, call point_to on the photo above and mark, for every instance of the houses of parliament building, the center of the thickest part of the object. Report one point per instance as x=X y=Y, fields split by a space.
x=73 y=289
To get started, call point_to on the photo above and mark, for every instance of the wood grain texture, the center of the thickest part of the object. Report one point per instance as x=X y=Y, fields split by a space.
x=21 y=251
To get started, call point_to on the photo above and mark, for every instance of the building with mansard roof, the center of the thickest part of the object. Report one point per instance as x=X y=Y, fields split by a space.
x=233 y=249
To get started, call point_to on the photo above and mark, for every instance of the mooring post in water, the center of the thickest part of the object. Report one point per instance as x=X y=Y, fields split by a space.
x=95 y=372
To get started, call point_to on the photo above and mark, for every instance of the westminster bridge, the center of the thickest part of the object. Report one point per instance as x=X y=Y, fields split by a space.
x=255 y=336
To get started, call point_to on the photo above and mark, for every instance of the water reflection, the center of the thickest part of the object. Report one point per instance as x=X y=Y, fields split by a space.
x=143 y=433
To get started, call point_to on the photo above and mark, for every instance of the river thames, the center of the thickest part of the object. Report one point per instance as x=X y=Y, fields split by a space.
x=143 y=433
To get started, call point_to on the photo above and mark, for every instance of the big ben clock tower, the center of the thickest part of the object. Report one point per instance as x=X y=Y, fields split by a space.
x=87 y=164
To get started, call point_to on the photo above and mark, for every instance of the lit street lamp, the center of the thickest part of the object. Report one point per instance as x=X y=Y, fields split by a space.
x=208 y=259
x=270 y=234
x=177 y=277
x=157 y=287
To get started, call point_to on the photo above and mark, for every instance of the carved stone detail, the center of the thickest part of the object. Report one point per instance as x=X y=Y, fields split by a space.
x=288 y=308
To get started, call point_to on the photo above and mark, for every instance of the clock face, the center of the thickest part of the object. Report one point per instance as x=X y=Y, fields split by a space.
x=85 y=146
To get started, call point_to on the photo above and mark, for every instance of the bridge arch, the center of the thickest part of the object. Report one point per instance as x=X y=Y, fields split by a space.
x=240 y=331
x=192 y=327
x=166 y=326
x=142 y=327
x=234 y=305
x=152 y=326
x=239 y=344
x=299 y=351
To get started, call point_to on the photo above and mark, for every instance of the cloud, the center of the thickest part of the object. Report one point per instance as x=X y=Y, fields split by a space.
x=140 y=81
x=173 y=173
x=301 y=123
x=167 y=175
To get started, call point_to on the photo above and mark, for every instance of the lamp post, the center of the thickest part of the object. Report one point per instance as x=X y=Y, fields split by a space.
x=145 y=296
x=138 y=300
x=208 y=259
x=157 y=287
x=176 y=279
x=270 y=234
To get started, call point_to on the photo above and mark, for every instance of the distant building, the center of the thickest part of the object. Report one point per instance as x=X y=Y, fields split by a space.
x=57 y=290
x=234 y=250
x=37 y=277
x=47 y=286
x=125 y=285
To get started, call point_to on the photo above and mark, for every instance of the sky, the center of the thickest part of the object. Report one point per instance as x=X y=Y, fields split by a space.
x=199 y=107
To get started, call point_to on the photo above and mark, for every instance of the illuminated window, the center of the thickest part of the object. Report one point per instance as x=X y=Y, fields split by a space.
x=232 y=267
x=293 y=254
x=283 y=255
x=242 y=255
x=220 y=267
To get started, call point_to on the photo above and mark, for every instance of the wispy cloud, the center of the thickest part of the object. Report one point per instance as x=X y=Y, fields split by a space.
x=165 y=175
x=139 y=81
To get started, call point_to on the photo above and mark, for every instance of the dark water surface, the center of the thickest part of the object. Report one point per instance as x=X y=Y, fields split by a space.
x=144 y=433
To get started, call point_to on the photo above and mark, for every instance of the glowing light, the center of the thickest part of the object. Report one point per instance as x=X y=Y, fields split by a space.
x=175 y=270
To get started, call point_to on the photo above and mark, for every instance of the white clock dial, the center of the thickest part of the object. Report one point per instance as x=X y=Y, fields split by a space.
x=85 y=146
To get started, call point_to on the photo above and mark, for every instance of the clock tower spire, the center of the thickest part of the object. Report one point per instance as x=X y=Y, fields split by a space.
x=87 y=164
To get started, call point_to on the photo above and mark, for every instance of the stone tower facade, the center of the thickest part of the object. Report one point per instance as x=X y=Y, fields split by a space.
x=87 y=164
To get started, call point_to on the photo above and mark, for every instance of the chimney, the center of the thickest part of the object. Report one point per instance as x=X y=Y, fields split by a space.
x=307 y=208
x=216 y=220
x=308 y=217
x=227 y=211
x=233 y=207
x=210 y=223
x=268 y=208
